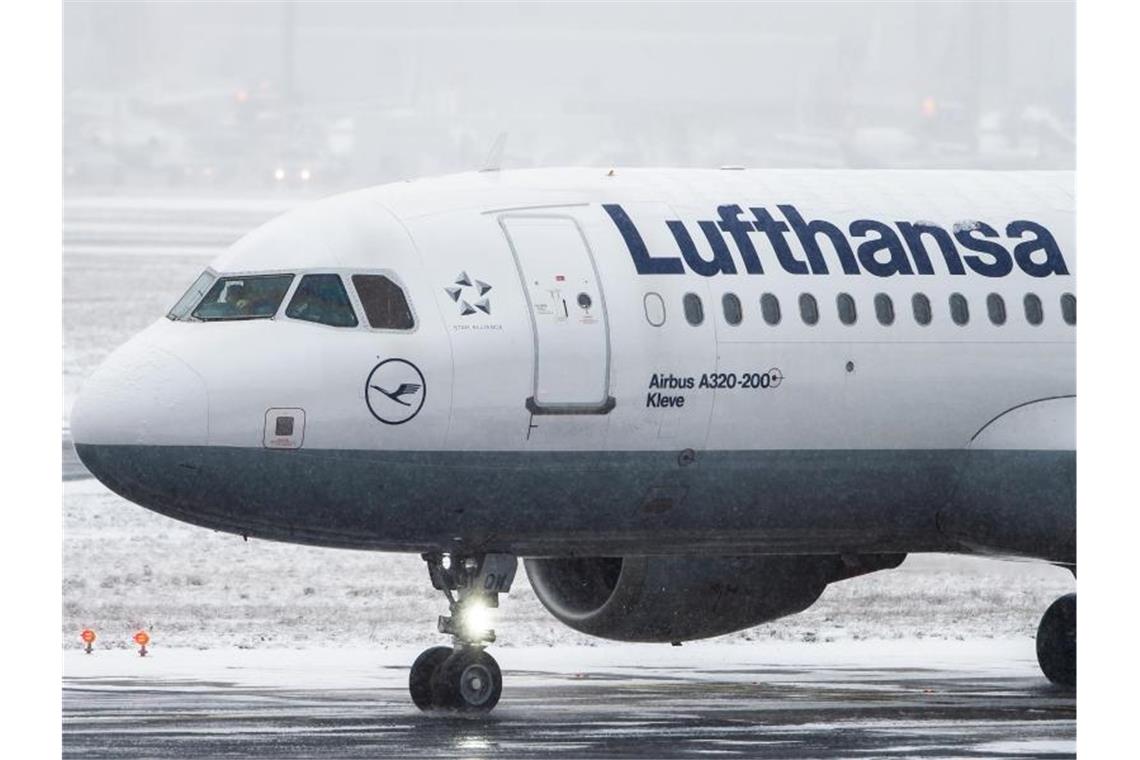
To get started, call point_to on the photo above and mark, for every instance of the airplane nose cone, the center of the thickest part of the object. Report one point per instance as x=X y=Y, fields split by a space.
x=141 y=395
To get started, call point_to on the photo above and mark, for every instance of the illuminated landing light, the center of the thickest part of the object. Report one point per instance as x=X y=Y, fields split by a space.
x=929 y=106
x=278 y=174
x=476 y=620
x=305 y=175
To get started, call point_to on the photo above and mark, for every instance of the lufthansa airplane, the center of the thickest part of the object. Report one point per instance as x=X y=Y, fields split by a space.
x=689 y=399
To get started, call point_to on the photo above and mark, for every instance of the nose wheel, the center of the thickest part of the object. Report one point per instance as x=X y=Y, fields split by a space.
x=463 y=677
x=468 y=680
x=1057 y=641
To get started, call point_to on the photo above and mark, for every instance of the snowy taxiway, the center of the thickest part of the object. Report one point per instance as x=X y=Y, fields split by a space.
x=777 y=699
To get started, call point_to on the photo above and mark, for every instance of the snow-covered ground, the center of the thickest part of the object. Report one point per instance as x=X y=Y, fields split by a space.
x=125 y=263
x=774 y=699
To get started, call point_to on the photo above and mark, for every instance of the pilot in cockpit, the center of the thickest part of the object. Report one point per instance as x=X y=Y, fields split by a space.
x=236 y=297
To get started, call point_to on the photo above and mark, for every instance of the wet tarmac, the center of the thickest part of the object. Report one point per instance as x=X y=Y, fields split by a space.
x=788 y=710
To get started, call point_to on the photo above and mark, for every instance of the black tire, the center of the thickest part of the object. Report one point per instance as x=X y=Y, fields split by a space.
x=423 y=670
x=468 y=681
x=1057 y=642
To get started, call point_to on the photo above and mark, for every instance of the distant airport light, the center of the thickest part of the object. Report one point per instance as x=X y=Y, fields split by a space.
x=279 y=174
x=142 y=639
x=305 y=174
x=929 y=106
x=88 y=637
x=241 y=96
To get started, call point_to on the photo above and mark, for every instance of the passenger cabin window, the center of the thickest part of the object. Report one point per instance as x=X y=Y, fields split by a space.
x=809 y=309
x=770 y=308
x=192 y=296
x=1069 y=308
x=733 y=313
x=846 y=305
x=694 y=309
x=884 y=309
x=250 y=297
x=959 y=309
x=995 y=305
x=1034 y=314
x=921 y=305
x=322 y=298
x=654 y=309
x=384 y=302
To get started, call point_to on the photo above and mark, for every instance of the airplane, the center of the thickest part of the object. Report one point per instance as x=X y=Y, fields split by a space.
x=688 y=399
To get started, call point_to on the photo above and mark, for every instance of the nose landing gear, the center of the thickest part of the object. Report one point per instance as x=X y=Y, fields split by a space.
x=1057 y=641
x=464 y=676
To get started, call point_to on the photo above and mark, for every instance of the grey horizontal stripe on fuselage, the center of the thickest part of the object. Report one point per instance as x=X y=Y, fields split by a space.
x=535 y=503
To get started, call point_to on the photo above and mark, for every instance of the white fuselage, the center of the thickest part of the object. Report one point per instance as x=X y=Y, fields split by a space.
x=549 y=315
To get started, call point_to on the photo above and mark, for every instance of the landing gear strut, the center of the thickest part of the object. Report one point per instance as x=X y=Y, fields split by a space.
x=1057 y=641
x=463 y=676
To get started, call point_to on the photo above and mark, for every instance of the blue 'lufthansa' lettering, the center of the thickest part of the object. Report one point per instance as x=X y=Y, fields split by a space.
x=885 y=250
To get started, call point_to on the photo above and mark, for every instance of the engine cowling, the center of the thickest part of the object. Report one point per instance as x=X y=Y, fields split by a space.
x=685 y=598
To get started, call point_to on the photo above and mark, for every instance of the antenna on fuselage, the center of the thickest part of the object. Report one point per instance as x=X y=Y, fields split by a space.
x=494 y=160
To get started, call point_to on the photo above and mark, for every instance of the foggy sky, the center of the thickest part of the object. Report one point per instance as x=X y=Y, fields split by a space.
x=426 y=88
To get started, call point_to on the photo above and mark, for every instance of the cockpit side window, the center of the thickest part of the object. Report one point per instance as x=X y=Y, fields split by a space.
x=247 y=297
x=322 y=298
x=192 y=296
x=384 y=302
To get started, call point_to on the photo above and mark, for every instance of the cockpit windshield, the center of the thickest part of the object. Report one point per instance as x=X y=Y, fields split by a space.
x=319 y=297
x=192 y=296
x=246 y=297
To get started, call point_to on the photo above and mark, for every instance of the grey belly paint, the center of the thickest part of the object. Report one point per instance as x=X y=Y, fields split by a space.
x=612 y=503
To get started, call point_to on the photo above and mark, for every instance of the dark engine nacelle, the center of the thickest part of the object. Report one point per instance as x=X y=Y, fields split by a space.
x=684 y=598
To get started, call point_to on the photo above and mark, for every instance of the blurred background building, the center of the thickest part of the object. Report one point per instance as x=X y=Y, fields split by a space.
x=330 y=96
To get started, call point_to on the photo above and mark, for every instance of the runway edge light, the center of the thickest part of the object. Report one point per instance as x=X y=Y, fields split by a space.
x=88 y=637
x=142 y=639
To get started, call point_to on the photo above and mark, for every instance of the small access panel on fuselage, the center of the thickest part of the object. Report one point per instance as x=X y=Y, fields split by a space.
x=568 y=314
